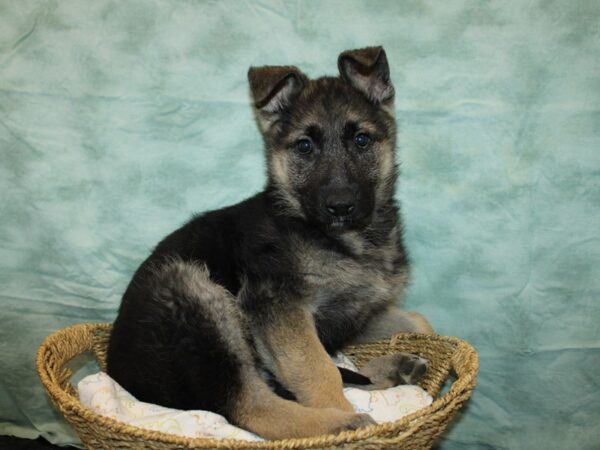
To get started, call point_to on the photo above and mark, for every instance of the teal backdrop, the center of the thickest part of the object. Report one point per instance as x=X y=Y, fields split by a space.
x=120 y=119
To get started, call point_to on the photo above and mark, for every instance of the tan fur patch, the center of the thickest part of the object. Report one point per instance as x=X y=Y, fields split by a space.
x=279 y=168
x=385 y=171
x=266 y=414
x=301 y=362
x=280 y=175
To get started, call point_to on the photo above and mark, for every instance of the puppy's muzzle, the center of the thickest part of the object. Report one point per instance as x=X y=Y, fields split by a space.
x=340 y=204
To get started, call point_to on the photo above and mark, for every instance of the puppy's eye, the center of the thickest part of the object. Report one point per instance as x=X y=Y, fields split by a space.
x=304 y=146
x=362 y=140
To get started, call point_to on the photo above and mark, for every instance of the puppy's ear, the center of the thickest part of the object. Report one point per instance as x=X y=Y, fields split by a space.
x=367 y=70
x=274 y=88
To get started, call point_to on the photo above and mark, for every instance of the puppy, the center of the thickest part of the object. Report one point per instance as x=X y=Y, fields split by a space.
x=248 y=301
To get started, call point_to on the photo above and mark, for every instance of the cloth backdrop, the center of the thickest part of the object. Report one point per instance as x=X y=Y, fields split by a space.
x=118 y=120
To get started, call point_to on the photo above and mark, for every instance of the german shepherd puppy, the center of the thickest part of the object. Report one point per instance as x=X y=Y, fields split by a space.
x=249 y=300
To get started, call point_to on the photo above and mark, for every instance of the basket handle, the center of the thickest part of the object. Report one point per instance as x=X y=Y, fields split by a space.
x=61 y=347
x=465 y=363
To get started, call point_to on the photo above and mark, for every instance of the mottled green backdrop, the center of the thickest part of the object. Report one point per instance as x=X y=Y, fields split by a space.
x=119 y=119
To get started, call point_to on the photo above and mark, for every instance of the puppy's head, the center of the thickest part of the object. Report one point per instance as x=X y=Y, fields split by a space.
x=330 y=142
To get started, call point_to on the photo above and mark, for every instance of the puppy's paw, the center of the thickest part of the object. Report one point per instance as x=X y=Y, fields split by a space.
x=394 y=370
x=411 y=368
x=354 y=422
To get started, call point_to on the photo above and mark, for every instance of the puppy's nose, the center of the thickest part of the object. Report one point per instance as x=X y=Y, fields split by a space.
x=339 y=209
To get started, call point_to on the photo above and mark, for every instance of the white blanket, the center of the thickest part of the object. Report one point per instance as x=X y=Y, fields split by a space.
x=102 y=394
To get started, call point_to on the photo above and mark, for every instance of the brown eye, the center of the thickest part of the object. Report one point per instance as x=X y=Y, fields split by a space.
x=304 y=146
x=362 y=140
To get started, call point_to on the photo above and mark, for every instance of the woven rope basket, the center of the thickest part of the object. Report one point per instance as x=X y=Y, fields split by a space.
x=448 y=357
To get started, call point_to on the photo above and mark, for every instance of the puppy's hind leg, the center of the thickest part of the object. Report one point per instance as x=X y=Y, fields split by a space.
x=263 y=412
x=401 y=368
x=179 y=340
x=391 y=321
x=207 y=363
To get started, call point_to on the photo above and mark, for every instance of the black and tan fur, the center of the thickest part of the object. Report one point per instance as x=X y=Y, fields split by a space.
x=250 y=300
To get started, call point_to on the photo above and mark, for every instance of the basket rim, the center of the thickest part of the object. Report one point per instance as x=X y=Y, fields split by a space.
x=464 y=382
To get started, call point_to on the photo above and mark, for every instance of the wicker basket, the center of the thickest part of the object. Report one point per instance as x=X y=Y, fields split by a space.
x=417 y=431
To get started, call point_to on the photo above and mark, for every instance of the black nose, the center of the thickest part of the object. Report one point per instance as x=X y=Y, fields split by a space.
x=339 y=209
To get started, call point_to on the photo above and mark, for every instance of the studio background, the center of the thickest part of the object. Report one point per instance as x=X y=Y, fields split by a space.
x=118 y=120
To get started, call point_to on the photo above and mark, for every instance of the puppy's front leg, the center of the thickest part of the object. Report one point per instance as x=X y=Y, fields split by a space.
x=301 y=363
x=391 y=321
